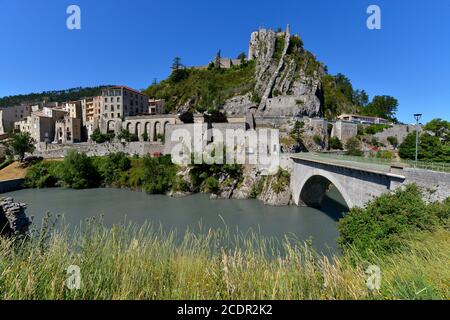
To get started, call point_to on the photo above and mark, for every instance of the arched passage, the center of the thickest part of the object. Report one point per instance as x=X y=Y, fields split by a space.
x=156 y=130
x=137 y=129
x=129 y=127
x=111 y=126
x=315 y=186
x=147 y=130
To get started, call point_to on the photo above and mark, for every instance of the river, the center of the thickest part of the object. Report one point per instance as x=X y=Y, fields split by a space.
x=178 y=214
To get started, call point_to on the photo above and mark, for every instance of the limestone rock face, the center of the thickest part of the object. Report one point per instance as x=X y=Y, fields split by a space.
x=287 y=78
x=250 y=179
x=272 y=198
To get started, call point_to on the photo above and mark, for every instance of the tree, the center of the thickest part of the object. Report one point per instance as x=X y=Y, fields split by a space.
x=217 y=60
x=344 y=85
x=297 y=131
x=99 y=137
x=430 y=148
x=440 y=128
x=242 y=57
x=176 y=64
x=360 y=98
x=187 y=117
x=383 y=107
x=19 y=144
x=78 y=172
x=353 y=147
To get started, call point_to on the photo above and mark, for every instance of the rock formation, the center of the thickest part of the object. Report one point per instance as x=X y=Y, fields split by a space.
x=288 y=79
x=13 y=220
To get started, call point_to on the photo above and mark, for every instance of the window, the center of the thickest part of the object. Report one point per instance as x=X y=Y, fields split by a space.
x=106 y=99
x=118 y=99
x=112 y=108
x=118 y=115
x=112 y=115
x=106 y=107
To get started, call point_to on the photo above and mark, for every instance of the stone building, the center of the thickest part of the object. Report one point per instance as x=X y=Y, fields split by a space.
x=119 y=103
x=67 y=130
x=91 y=115
x=156 y=106
x=355 y=118
x=12 y=114
x=344 y=130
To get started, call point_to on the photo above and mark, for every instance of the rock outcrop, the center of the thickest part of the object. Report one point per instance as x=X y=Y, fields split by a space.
x=288 y=79
x=13 y=220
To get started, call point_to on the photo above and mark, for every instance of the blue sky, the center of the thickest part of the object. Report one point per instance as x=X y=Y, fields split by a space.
x=132 y=42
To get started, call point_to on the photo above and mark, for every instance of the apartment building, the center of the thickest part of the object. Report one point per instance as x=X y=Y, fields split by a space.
x=120 y=102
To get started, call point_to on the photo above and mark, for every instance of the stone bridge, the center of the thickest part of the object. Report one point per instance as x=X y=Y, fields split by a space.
x=357 y=182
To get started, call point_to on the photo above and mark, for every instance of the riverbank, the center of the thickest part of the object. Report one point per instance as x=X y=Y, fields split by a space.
x=141 y=263
x=158 y=175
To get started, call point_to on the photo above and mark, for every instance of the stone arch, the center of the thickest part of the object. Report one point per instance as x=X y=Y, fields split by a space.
x=165 y=126
x=129 y=127
x=138 y=129
x=111 y=126
x=147 y=130
x=156 y=130
x=313 y=187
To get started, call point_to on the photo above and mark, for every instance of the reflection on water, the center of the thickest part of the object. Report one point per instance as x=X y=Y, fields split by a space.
x=190 y=212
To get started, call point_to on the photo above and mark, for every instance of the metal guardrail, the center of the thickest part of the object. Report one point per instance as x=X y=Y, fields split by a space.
x=433 y=166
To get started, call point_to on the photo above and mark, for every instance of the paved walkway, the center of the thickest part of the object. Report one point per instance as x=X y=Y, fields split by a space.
x=343 y=162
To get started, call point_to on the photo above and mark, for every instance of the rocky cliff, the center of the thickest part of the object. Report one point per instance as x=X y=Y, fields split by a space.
x=287 y=78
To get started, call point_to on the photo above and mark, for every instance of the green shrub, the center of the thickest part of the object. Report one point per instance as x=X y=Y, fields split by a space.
x=353 y=147
x=78 y=172
x=158 y=174
x=99 y=137
x=385 y=154
x=257 y=188
x=317 y=139
x=335 y=144
x=211 y=185
x=42 y=175
x=376 y=128
x=381 y=226
x=281 y=181
x=111 y=167
x=393 y=141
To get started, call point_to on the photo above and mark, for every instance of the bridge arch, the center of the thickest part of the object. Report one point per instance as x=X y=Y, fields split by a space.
x=314 y=186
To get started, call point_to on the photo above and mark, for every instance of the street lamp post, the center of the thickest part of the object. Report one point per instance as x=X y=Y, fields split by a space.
x=417 y=116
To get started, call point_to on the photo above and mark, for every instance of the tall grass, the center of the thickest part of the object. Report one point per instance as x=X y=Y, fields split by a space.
x=130 y=262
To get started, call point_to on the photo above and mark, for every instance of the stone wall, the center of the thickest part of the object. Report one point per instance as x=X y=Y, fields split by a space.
x=399 y=131
x=435 y=184
x=94 y=149
x=344 y=130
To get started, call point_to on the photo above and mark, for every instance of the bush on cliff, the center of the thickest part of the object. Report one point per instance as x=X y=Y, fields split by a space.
x=388 y=220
